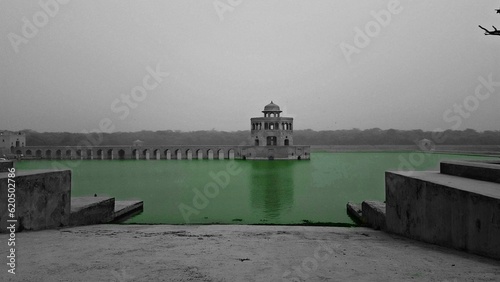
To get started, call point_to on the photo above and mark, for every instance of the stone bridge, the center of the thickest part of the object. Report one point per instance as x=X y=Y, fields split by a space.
x=146 y=152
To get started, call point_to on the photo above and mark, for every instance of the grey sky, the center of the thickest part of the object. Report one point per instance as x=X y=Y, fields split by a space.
x=224 y=70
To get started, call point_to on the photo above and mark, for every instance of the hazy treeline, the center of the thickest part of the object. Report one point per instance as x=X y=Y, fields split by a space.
x=373 y=136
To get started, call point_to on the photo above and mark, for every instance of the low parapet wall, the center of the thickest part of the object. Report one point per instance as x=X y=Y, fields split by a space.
x=42 y=199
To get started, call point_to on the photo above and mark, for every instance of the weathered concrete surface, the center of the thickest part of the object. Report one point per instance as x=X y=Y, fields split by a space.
x=126 y=209
x=486 y=171
x=374 y=214
x=446 y=210
x=42 y=199
x=237 y=253
x=5 y=165
x=91 y=210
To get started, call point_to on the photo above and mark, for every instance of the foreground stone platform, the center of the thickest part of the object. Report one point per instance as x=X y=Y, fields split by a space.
x=237 y=253
x=458 y=207
x=42 y=199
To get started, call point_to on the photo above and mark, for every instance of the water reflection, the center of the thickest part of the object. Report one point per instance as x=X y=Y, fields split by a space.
x=272 y=186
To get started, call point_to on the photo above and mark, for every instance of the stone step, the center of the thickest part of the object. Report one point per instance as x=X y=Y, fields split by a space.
x=479 y=170
x=97 y=210
x=355 y=213
x=468 y=185
x=368 y=213
x=91 y=210
x=374 y=214
x=127 y=209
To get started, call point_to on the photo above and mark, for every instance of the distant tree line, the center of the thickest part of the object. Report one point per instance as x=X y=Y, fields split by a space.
x=377 y=136
x=374 y=136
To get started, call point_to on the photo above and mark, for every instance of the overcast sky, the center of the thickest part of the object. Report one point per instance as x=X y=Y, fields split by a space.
x=218 y=63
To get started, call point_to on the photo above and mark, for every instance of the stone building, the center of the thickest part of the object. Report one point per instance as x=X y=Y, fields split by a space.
x=10 y=140
x=137 y=143
x=272 y=129
x=272 y=137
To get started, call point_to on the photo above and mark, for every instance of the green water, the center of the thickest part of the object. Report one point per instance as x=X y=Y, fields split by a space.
x=257 y=192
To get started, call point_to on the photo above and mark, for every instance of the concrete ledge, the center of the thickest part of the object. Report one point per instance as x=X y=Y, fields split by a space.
x=486 y=171
x=42 y=199
x=446 y=210
x=5 y=165
x=374 y=214
x=126 y=209
x=91 y=210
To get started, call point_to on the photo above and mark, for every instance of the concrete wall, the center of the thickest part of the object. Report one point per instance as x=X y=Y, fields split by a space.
x=445 y=210
x=42 y=199
x=5 y=165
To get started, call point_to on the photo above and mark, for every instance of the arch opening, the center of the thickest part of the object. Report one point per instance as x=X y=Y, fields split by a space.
x=220 y=154
x=121 y=154
x=135 y=154
x=271 y=140
x=99 y=154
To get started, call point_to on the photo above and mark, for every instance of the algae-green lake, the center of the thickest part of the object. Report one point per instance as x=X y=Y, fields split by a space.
x=243 y=191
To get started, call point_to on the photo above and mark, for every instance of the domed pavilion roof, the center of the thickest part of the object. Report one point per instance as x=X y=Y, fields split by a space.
x=272 y=107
